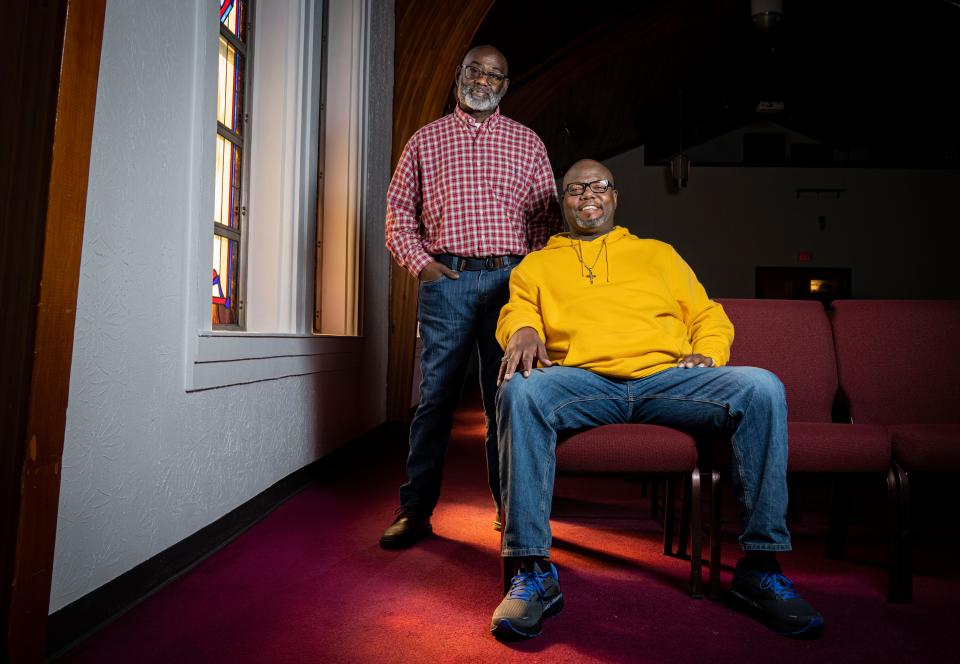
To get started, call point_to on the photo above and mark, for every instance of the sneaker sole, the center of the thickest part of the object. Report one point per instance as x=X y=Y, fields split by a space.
x=810 y=628
x=506 y=631
x=394 y=543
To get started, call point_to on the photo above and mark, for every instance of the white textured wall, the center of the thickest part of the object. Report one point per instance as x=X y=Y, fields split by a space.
x=893 y=227
x=146 y=464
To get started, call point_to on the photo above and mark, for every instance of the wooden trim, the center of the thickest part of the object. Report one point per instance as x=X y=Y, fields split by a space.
x=31 y=44
x=53 y=341
x=432 y=37
x=401 y=343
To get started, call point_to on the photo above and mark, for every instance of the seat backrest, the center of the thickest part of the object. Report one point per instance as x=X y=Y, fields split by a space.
x=898 y=360
x=792 y=339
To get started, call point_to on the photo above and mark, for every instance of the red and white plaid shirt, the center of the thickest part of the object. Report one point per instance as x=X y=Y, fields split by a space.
x=471 y=189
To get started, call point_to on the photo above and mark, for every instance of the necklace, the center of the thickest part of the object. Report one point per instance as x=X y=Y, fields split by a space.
x=589 y=268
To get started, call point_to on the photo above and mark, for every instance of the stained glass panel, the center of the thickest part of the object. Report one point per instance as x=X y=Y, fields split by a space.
x=230 y=88
x=224 y=293
x=233 y=17
x=226 y=208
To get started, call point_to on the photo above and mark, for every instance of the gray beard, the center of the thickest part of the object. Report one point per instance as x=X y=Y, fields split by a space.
x=587 y=223
x=466 y=98
x=593 y=223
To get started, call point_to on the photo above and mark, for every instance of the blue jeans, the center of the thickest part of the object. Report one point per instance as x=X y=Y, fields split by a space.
x=747 y=403
x=456 y=316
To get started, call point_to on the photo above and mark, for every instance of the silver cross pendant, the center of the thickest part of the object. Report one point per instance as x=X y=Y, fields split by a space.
x=590 y=275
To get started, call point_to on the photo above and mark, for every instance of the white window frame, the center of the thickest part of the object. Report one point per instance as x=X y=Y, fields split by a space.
x=280 y=261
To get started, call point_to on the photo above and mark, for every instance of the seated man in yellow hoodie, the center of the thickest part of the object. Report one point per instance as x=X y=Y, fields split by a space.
x=622 y=331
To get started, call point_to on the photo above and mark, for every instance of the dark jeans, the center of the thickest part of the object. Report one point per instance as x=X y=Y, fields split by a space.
x=456 y=316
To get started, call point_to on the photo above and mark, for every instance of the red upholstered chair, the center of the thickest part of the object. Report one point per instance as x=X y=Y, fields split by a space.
x=646 y=449
x=898 y=366
x=792 y=338
x=641 y=450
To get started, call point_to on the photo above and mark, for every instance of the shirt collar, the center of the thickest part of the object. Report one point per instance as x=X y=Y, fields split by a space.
x=490 y=122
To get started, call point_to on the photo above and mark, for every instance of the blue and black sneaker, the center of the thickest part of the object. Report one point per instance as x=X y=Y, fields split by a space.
x=767 y=592
x=533 y=596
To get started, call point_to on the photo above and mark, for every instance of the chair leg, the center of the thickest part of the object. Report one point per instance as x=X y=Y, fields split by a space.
x=696 y=539
x=684 y=532
x=901 y=568
x=714 y=582
x=793 y=506
x=668 y=516
x=655 y=499
x=839 y=514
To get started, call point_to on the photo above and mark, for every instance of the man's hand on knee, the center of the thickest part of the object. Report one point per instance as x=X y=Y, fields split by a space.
x=524 y=351
x=695 y=360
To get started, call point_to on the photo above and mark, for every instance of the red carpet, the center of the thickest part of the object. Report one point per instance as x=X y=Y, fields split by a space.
x=310 y=584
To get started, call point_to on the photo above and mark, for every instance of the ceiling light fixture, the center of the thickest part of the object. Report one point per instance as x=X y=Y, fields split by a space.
x=679 y=170
x=766 y=13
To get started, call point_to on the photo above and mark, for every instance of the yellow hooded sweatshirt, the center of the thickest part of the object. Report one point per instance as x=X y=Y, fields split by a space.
x=643 y=311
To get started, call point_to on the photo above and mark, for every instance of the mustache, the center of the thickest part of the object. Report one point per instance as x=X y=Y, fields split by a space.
x=468 y=88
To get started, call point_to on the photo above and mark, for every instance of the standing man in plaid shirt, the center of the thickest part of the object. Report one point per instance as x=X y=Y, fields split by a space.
x=473 y=193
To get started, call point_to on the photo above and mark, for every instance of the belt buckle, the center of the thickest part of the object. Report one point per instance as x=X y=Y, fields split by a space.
x=493 y=262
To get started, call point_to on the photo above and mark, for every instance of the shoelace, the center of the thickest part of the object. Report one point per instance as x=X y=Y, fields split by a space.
x=525 y=584
x=781 y=586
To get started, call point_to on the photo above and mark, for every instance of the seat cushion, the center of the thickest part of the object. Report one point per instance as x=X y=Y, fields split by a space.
x=823 y=447
x=627 y=448
x=927 y=447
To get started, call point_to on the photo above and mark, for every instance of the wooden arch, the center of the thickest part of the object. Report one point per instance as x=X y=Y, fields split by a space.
x=431 y=38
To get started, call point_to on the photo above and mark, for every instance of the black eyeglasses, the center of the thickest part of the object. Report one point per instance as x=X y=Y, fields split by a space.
x=597 y=187
x=472 y=73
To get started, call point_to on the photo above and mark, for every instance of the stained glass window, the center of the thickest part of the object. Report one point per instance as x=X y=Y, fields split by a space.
x=232 y=121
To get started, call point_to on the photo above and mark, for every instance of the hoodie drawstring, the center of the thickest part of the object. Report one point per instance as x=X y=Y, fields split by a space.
x=606 y=258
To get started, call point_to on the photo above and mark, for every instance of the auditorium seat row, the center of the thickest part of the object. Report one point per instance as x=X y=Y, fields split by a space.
x=891 y=364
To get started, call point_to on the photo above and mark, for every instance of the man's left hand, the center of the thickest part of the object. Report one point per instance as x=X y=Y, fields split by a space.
x=695 y=360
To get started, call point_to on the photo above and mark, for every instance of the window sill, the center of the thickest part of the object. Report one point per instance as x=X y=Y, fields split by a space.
x=222 y=359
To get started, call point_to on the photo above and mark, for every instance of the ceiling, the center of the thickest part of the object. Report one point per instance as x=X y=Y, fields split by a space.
x=879 y=79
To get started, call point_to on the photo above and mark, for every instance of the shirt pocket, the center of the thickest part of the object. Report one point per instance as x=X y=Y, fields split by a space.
x=507 y=182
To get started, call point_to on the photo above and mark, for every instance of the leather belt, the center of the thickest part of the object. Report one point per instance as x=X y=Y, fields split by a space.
x=463 y=263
